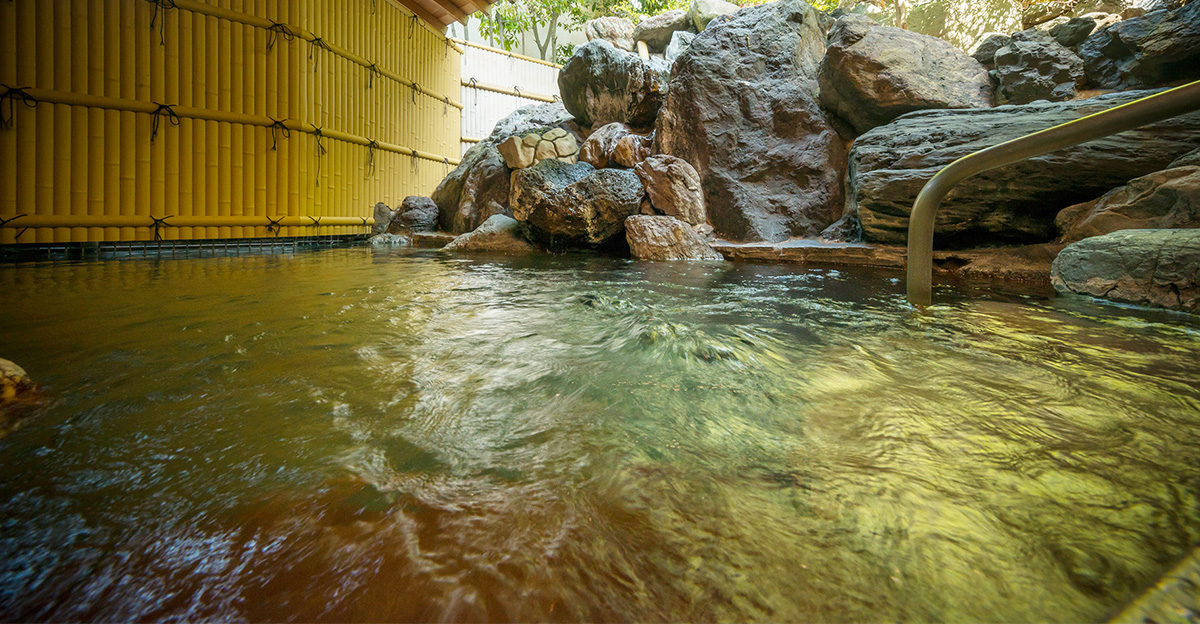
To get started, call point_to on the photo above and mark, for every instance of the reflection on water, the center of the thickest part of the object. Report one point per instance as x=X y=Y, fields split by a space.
x=368 y=435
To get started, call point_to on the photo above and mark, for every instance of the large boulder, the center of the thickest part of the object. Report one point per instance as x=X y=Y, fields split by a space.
x=562 y=204
x=666 y=238
x=1038 y=70
x=1016 y=203
x=674 y=188
x=1073 y=31
x=1157 y=48
x=601 y=84
x=1162 y=200
x=703 y=12
x=615 y=30
x=632 y=149
x=872 y=74
x=416 y=214
x=985 y=49
x=499 y=234
x=657 y=31
x=1149 y=267
x=743 y=111
x=478 y=187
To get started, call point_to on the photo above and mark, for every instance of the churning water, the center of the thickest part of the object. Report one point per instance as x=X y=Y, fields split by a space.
x=363 y=435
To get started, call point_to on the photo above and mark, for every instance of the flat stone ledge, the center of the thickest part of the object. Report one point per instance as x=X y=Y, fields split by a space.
x=431 y=240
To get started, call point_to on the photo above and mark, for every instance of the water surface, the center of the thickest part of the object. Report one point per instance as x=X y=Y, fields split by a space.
x=364 y=435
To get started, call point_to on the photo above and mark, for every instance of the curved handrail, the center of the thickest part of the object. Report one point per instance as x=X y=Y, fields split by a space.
x=1141 y=112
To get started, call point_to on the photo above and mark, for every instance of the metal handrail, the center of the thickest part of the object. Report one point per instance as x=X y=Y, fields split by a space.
x=1141 y=112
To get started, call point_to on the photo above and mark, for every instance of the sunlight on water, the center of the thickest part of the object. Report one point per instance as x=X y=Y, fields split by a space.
x=388 y=435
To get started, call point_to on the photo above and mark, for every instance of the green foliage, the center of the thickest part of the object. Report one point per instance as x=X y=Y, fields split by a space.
x=564 y=52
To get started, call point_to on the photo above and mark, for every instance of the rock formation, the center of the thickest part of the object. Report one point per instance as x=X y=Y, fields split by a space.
x=499 y=234
x=1150 y=267
x=601 y=84
x=563 y=204
x=657 y=31
x=674 y=188
x=416 y=214
x=615 y=30
x=1155 y=49
x=1161 y=200
x=666 y=238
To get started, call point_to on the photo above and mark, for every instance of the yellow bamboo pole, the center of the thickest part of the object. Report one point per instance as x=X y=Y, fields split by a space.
x=87 y=221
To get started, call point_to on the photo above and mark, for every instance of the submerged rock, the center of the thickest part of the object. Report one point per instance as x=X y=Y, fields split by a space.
x=1157 y=48
x=674 y=188
x=601 y=84
x=1149 y=267
x=616 y=30
x=1162 y=200
x=416 y=214
x=498 y=234
x=743 y=111
x=13 y=381
x=659 y=30
x=666 y=238
x=1013 y=204
x=563 y=204
x=389 y=240
x=872 y=74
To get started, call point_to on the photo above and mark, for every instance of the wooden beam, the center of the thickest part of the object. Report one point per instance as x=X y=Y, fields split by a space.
x=421 y=12
x=453 y=9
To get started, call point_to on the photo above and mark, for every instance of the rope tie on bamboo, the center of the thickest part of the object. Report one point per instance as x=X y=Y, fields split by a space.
x=446 y=163
x=163 y=110
x=12 y=94
x=4 y=222
x=273 y=225
x=412 y=26
x=475 y=86
x=277 y=30
x=317 y=42
x=557 y=98
x=416 y=88
x=159 y=223
x=18 y=236
x=518 y=90
x=316 y=221
x=371 y=147
x=278 y=128
x=372 y=71
x=320 y=152
x=161 y=6
x=445 y=104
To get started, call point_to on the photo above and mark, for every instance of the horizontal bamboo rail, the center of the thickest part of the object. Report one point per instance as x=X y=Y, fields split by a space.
x=260 y=22
x=136 y=106
x=1140 y=112
x=56 y=221
x=529 y=95
x=506 y=53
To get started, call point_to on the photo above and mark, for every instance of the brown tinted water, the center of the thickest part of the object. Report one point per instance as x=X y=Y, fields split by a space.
x=363 y=435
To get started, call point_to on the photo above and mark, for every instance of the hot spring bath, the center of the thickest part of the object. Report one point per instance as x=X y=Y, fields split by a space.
x=363 y=435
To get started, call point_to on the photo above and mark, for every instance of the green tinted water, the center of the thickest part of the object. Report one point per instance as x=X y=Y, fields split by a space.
x=363 y=435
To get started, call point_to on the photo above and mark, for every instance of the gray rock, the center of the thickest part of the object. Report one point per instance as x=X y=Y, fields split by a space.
x=1157 y=48
x=1099 y=6
x=674 y=188
x=383 y=217
x=872 y=74
x=666 y=239
x=1038 y=70
x=601 y=84
x=416 y=214
x=1168 y=199
x=1148 y=267
x=1073 y=31
x=615 y=30
x=478 y=187
x=657 y=31
x=1189 y=159
x=1016 y=203
x=679 y=44
x=743 y=111
x=985 y=50
x=499 y=234
x=562 y=204
x=703 y=12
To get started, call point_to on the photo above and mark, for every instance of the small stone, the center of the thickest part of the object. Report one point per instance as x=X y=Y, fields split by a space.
x=615 y=30
x=674 y=187
x=565 y=145
x=416 y=214
x=545 y=149
x=632 y=149
x=647 y=209
x=517 y=155
x=554 y=134
x=704 y=11
x=531 y=140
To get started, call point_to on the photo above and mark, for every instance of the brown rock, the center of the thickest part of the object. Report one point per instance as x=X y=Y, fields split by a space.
x=1162 y=200
x=666 y=238
x=615 y=30
x=577 y=204
x=632 y=149
x=598 y=149
x=1155 y=267
x=499 y=234
x=13 y=381
x=674 y=188
x=516 y=152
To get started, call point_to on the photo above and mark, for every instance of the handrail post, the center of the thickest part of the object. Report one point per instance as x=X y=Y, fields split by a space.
x=1140 y=112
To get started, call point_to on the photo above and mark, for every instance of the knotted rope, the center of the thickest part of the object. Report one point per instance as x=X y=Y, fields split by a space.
x=163 y=110
x=278 y=128
x=277 y=30
x=12 y=94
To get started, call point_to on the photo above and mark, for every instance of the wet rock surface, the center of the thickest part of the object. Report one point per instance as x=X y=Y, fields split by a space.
x=499 y=234
x=665 y=239
x=562 y=205
x=416 y=214
x=674 y=188
x=872 y=74
x=383 y=217
x=1013 y=204
x=1157 y=48
x=601 y=84
x=742 y=110
x=1149 y=267
x=13 y=381
x=1162 y=200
